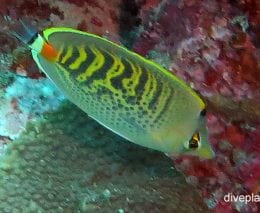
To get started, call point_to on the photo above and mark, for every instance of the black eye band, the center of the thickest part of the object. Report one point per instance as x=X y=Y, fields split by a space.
x=203 y=112
x=194 y=141
x=193 y=144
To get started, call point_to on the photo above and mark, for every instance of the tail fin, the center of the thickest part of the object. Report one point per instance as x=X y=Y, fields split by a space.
x=24 y=31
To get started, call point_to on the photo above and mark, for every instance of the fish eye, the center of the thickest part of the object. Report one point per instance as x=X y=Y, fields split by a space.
x=194 y=142
x=203 y=112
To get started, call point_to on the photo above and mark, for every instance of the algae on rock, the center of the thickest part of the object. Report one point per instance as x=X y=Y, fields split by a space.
x=66 y=162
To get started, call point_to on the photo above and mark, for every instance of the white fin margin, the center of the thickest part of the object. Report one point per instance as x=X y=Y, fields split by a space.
x=37 y=45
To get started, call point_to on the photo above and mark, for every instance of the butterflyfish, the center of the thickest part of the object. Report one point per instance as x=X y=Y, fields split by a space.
x=125 y=92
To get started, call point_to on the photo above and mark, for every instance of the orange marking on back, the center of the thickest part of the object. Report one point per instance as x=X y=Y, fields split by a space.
x=49 y=52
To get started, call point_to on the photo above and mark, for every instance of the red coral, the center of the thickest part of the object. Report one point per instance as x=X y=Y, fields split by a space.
x=36 y=9
x=150 y=4
x=25 y=66
x=82 y=26
x=235 y=136
x=223 y=207
x=250 y=8
x=79 y=3
x=221 y=60
x=96 y=21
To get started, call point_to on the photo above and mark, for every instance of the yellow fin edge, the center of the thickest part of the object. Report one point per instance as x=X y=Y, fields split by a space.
x=49 y=31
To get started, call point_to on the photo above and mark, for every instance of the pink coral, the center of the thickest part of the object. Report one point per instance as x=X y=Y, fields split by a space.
x=219 y=58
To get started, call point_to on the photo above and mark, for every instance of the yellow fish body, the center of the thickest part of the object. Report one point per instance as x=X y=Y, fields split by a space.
x=130 y=95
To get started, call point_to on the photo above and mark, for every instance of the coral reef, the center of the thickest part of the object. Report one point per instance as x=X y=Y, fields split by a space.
x=67 y=162
x=26 y=99
x=102 y=19
x=212 y=45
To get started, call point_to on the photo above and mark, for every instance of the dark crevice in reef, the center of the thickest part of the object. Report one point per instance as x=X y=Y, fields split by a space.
x=129 y=20
x=67 y=162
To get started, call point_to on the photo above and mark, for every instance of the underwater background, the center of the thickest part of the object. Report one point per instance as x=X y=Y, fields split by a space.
x=54 y=158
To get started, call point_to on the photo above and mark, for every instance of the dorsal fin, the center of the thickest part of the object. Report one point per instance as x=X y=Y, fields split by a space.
x=24 y=31
x=29 y=35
